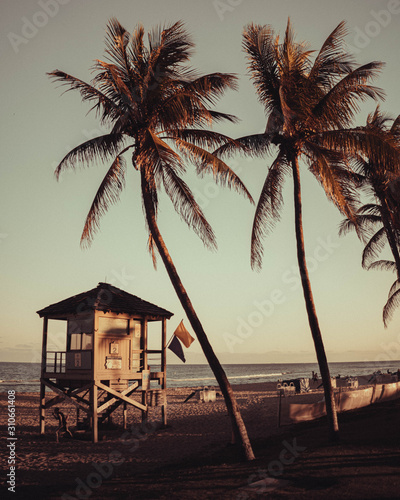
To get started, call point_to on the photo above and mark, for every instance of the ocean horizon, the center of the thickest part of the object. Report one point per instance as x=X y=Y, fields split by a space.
x=25 y=377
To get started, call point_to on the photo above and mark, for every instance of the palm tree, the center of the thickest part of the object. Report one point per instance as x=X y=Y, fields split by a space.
x=377 y=181
x=309 y=106
x=157 y=107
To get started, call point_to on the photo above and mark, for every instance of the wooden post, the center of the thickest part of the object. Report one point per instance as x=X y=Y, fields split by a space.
x=42 y=411
x=95 y=344
x=164 y=371
x=144 y=402
x=145 y=367
x=280 y=407
x=94 y=413
x=145 y=354
x=93 y=393
x=125 y=414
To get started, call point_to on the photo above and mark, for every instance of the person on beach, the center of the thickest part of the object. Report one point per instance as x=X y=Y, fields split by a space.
x=62 y=423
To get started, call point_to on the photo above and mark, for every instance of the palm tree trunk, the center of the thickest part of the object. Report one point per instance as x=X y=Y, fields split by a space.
x=387 y=220
x=238 y=427
x=311 y=312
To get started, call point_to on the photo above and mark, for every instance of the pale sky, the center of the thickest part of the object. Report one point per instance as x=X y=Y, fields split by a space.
x=249 y=315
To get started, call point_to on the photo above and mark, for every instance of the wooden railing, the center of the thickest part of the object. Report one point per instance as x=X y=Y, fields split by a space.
x=55 y=361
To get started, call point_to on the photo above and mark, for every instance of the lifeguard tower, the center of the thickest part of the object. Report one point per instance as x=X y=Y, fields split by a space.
x=106 y=360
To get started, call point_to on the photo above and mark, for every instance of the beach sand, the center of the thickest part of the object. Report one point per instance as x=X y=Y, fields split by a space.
x=192 y=456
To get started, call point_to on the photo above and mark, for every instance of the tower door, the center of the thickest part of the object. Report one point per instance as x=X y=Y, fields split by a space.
x=114 y=354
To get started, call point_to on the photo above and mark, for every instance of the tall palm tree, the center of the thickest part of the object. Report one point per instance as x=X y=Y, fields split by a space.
x=379 y=223
x=156 y=108
x=310 y=105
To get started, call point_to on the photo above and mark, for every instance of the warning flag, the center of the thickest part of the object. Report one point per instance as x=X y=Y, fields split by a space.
x=176 y=348
x=183 y=335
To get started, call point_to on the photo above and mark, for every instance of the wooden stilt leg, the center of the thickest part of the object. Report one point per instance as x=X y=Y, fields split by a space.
x=42 y=411
x=164 y=370
x=94 y=414
x=125 y=415
x=164 y=407
x=144 y=402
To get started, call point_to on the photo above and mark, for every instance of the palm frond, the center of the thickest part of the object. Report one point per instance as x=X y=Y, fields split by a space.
x=187 y=207
x=374 y=246
x=100 y=148
x=332 y=60
x=218 y=116
x=330 y=169
x=339 y=105
x=391 y=305
x=394 y=288
x=186 y=103
x=395 y=128
x=152 y=156
x=294 y=57
x=363 y=224
x=371 y=209
x=104 y=107
x=117 y=41
x=169 y=48
x=204 y=138
x=107 y=195
x=165 y=164
x=259 y=45
x=252 y=145
x=359 y=140
x=378 y=120
x=383 y=265
x=345 y=226
x=209 y=88
x=136 y=50
x=268 y=209
x=206 y=162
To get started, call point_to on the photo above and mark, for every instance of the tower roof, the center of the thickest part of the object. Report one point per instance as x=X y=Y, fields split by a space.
x=106 y=298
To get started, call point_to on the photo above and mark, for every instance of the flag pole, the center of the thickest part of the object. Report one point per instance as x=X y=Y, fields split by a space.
x=170 y=340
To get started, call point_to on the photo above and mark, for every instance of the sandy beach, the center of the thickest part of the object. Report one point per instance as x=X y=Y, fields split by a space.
x=192 y=458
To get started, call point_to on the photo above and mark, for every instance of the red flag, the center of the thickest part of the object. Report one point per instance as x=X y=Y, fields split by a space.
x=183 y=335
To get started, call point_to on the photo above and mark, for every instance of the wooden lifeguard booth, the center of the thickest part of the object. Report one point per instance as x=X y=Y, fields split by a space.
x=106 y=360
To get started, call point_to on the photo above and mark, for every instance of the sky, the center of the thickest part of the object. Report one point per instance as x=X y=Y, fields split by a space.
x=248 y=316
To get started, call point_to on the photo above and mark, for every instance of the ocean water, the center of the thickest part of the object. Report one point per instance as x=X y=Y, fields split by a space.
x=24 y=377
